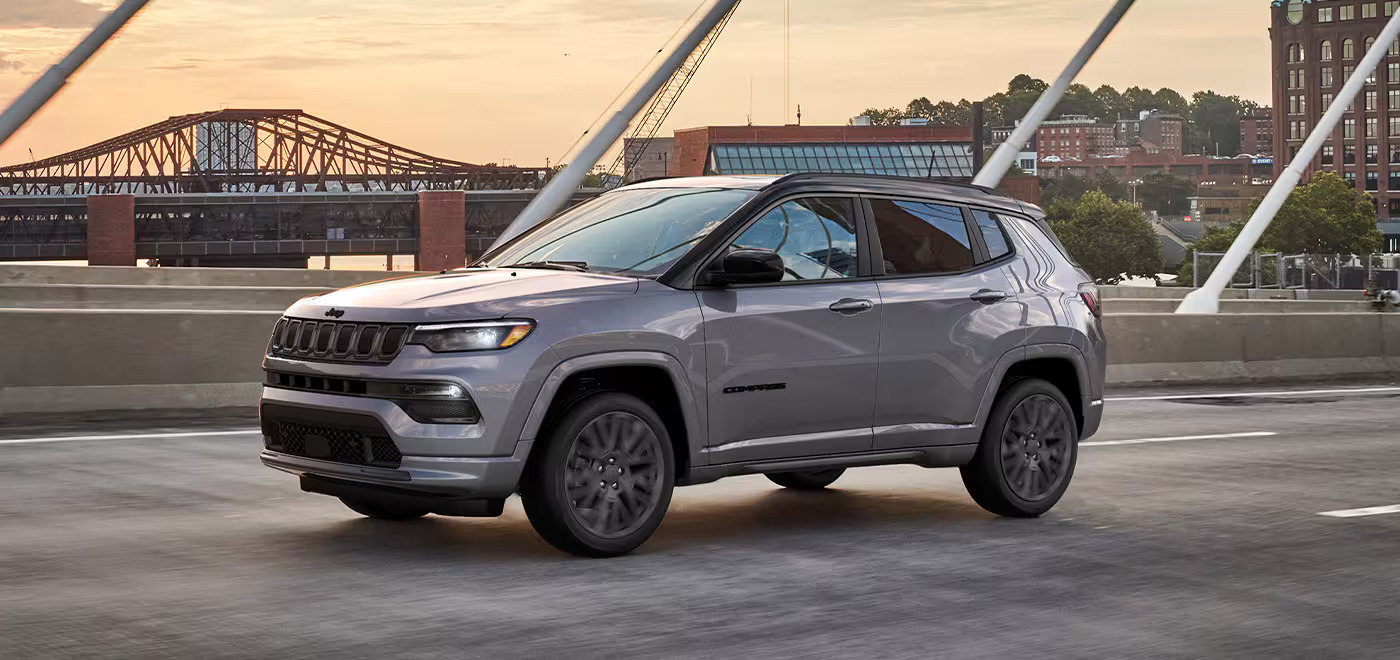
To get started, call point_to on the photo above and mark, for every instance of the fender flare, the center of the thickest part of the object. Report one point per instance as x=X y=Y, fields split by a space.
x=561 y=372
x=1025 y=354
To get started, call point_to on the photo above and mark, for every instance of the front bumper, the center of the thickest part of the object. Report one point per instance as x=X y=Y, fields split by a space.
x=445 y=459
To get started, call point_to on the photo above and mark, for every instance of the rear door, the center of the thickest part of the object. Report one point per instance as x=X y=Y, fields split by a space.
x=791 y=365
x=949 y=315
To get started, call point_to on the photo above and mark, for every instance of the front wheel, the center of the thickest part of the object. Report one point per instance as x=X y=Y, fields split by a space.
x=602 y=482
x=809 y=480
x=1027 y=454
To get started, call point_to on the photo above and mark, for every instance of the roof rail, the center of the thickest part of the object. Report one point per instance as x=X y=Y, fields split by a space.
x=950 y=181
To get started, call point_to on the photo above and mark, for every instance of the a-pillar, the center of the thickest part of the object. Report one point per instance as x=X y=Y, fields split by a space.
x=111 y=230
x=442 y=230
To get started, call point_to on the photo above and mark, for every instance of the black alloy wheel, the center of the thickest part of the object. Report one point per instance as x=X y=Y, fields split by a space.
x=600 y=481
x=614 y=475
x=1028 y=451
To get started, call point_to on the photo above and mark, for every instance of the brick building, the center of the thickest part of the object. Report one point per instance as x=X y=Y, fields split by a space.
x=1257 y=133
x=1316 y=46
x=1075 y=137
x=1152 y=133
x=653 y=161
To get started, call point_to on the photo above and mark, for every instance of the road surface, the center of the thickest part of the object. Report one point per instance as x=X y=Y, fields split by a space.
x=1183 y=546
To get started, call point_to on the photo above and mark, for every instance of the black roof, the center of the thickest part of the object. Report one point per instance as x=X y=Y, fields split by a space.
x=949 y=189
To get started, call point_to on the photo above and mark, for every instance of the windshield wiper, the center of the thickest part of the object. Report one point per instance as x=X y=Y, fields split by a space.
x=573 y=266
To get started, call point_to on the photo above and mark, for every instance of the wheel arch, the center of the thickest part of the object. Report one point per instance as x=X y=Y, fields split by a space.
x=1063 y=365
x=656 y=378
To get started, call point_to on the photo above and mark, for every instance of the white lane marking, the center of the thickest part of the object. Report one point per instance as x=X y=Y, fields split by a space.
x=1368 y=511
x=1179 y=438
x=1220 y=395
x=134 y=436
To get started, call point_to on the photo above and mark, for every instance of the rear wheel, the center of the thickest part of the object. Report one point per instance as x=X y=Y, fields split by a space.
x=1027 y=454
x=602 y=482
x=808 y=480
x=382 y=510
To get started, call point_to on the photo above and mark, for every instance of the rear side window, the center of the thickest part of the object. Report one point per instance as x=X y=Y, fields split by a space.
x=918 y=238
x=992 y=235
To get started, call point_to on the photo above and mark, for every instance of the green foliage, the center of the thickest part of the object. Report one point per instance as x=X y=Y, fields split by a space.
x=1326 y=216
x=1165 y=193
x=1109 y=238
x=1071 y=188
x=1211 y=117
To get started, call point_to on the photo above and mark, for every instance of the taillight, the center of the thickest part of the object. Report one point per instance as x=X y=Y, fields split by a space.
x=1090 y=295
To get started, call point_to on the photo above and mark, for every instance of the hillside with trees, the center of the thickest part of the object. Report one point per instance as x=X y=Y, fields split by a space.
x=1213 y=120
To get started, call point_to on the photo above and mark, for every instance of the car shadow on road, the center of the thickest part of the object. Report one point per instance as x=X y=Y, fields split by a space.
x=750 y=518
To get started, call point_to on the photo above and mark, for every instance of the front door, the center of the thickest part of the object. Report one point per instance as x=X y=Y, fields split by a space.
x=791 y=366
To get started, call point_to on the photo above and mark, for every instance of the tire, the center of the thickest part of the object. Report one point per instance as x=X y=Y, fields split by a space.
x=1028 y=451
x=808 y=480
x=602 y=481
x=383 y=511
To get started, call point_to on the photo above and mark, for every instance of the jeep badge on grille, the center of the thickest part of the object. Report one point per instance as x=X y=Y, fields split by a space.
x=336 y=313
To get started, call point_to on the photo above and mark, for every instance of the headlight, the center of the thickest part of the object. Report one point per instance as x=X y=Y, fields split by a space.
x=463 y=337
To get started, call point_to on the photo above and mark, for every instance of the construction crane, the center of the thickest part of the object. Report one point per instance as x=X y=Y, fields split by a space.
x=645 y=130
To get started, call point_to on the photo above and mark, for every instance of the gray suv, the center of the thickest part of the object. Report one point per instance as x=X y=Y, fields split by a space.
x=680 y=331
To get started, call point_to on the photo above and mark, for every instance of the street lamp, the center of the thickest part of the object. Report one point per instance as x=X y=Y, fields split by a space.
x=1133 y=185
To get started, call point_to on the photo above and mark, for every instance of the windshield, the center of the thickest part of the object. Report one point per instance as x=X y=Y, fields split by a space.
x=637 y=232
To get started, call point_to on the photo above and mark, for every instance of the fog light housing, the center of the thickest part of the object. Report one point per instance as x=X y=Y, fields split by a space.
x=440 y=411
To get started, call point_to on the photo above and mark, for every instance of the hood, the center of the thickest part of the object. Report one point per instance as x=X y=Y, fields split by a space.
x=473 y=294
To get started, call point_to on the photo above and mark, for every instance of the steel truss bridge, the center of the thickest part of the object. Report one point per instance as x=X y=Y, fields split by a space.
x=249 y=182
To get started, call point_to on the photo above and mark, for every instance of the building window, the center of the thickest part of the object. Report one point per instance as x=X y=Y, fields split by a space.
x=1326 y=76
x=1327 y=99
x=1394 y=182
x=1373 y=154
x=1346 y=73
x=1326 y=51
x=1348 y=49
x=1348 y=13
x=1395 y=126
x=1329 y=154
x=1350 y=177
x=1391 y=6
x=1371 y=126
x=1373 y=180
x=1395 y=156
x=1349 y=129
x=1393 y=98
x=1373 y=99
x=1295 y=53
x=1325 y=14
x=1368 y=10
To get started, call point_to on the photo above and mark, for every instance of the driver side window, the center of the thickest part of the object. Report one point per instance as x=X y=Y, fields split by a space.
x=815 y=236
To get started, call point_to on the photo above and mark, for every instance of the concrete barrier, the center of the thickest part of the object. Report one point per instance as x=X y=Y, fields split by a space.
x=1235 y=348
x=124 y=296
x=72 y=360
x=1236 y=306
x=83 y=360
x=1177 y=293
x=192 y=277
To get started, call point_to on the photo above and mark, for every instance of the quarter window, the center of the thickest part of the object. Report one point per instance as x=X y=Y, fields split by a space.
x=992 y=235
x=922 y=239
x=816 y=237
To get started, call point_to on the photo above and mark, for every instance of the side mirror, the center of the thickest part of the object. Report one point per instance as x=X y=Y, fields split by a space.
x=746 y=266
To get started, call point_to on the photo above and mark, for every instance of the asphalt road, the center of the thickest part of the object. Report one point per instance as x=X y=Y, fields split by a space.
x=187 y=547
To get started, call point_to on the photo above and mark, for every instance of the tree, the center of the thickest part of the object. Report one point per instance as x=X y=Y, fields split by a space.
x=1169 y=101
x=1215 y=121
x=1071 y=187
x=1025 y=83
x=1110 y=239
x=878 y=117
x=1137 y=100
x=1164 y=193
x=1326 y=216
x=1113 y=105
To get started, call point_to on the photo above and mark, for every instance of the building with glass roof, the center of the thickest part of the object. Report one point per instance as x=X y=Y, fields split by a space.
x=909 y=151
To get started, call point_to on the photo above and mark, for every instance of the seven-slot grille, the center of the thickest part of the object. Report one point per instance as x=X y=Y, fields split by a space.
x=332 y=341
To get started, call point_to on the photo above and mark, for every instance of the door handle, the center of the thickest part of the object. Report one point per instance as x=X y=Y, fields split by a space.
x=988 y=296
x=852 y=306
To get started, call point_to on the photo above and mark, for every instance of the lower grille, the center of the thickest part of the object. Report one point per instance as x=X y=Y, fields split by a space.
x=352 y=444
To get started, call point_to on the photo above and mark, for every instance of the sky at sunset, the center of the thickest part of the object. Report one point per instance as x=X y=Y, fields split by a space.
x=517 y=81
